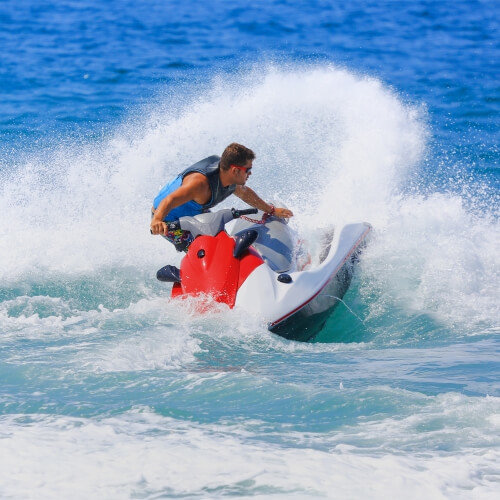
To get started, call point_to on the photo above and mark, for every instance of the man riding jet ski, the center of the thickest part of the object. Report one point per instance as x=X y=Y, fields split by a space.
x=252 y=266
x=204 y=185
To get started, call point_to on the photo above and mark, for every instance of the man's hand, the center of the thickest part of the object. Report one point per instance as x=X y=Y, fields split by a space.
x=158 y=227
x=283 y=212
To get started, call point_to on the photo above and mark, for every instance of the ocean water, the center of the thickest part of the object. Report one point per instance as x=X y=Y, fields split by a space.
x=384 y=111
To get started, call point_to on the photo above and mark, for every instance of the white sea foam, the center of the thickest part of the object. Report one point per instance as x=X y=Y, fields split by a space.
x=157 y=349
x=38 y=316
x=329 y=143
x=153 y=333
x=143 y=454
x=434 y=257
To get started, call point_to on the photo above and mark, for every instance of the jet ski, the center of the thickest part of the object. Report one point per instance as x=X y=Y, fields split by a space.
x=253 y=265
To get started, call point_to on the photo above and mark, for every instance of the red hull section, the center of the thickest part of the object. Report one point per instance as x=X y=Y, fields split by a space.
x=221 y=276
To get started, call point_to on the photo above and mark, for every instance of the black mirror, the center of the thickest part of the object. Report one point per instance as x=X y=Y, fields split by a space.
x=243 y=241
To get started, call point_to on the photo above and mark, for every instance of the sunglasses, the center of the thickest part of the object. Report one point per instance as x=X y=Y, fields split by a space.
x=246 y=169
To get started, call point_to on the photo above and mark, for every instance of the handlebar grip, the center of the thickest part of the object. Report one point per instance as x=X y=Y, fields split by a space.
x=239 y=213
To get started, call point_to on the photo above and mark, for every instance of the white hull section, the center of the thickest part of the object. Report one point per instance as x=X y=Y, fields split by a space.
x=310 y=293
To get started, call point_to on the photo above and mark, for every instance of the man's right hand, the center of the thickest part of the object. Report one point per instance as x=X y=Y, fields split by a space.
x=158 y=227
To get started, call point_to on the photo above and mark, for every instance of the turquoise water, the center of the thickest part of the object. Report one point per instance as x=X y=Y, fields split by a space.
x=378 y=111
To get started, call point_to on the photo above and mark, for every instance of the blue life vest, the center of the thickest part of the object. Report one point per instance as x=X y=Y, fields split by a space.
x=209 y=167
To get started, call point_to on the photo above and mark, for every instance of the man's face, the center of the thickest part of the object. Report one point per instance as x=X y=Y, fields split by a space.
x=241 y=174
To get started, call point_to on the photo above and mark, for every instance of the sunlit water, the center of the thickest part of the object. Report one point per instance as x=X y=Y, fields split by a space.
x=111 y=390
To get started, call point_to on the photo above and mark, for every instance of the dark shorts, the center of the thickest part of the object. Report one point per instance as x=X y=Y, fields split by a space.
x=180 y=239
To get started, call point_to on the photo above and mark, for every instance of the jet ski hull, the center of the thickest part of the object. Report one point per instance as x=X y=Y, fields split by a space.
x=298 y=309
x=306 y=322
x=253 y=267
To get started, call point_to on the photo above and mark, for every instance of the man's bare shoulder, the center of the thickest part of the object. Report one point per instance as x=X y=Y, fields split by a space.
x=197 y=186
x=195 y=179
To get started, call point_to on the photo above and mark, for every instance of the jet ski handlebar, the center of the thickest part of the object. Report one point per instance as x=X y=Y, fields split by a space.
x=238 y=213
x=223 y=215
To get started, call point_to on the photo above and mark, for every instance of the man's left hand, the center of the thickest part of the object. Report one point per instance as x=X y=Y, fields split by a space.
x=283 y=212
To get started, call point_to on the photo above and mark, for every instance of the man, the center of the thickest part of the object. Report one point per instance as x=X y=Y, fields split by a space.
x=204 y=185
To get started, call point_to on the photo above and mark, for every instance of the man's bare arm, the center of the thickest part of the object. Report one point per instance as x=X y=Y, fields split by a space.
x=194 y=187
x=249 y=196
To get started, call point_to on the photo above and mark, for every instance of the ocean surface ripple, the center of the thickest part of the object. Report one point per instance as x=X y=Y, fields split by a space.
x=380 y=111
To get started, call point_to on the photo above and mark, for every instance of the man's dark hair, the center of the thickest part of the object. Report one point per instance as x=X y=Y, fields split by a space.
x=235 y=154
